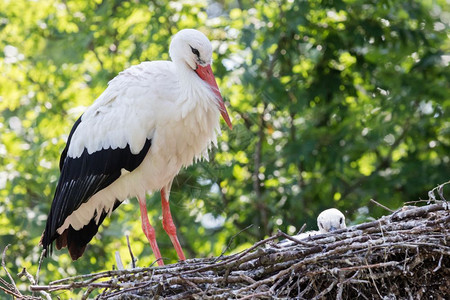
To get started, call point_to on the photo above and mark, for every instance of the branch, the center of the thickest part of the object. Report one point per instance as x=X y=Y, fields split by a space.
x=12 y=288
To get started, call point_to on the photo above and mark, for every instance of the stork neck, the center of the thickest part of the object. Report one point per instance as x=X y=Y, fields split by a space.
x=190 y=81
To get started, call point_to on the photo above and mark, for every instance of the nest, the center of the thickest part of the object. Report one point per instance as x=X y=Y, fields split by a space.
x=405 y=255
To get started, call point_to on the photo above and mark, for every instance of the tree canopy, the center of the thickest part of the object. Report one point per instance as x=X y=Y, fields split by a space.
x=333 y=103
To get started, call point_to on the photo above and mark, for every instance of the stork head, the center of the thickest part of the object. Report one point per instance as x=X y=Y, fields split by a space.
x=192 y=48
x=330 y=220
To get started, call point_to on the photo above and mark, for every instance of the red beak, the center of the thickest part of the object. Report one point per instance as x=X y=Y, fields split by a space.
x=207 y=75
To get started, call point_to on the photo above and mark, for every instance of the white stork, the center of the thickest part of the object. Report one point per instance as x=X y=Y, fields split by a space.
x=152 y=119
x=328 y=220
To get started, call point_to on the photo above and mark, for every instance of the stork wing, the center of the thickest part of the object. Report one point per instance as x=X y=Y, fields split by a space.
x=83 y=176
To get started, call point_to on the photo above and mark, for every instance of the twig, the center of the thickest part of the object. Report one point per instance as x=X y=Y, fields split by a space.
x=373 y=281
x=119 y=262
x=13 y=293
x=257 y=296
x=133 y=260
x=154 y=263
x=439 y=264
x=440 y=190
x=294 y=239
x=379 y=265
x=417 y=212
x=100 y=275
x=31 y=279
x=325 y=291
x=39 y=265
x=302 y=229
x=88 y=291
x=381 y=205
x=25 y=273
x=230 y=241
x=13 y=284
x=138 y=286
x=237 y=257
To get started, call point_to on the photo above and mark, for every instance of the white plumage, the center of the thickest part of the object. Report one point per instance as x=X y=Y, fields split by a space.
x=328 y=220
x=172 y=105
x=178 y=135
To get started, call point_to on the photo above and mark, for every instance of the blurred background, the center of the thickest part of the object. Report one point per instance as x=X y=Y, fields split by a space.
x=333 y=102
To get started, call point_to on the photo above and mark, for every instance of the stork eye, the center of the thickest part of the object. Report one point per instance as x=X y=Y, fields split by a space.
x=340 y=221
x=195 y=51
x=321 y=225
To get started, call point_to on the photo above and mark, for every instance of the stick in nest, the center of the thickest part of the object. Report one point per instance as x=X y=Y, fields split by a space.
x=230 y=241
x=133 y=260
x=12 y=288
x=381 y=205
x=440 y=190
x=287 y=236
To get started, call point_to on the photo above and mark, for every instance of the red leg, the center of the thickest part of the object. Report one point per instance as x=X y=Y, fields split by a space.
x=149 y=231
x=168 y=225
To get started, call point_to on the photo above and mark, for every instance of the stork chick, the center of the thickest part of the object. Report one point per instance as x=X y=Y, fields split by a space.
x=328 y=220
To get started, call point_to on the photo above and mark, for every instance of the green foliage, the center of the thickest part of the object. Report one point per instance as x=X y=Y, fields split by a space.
x=334 y=103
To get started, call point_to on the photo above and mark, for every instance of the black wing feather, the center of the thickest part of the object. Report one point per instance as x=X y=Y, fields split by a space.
x=64 y=153
x=80 y=179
